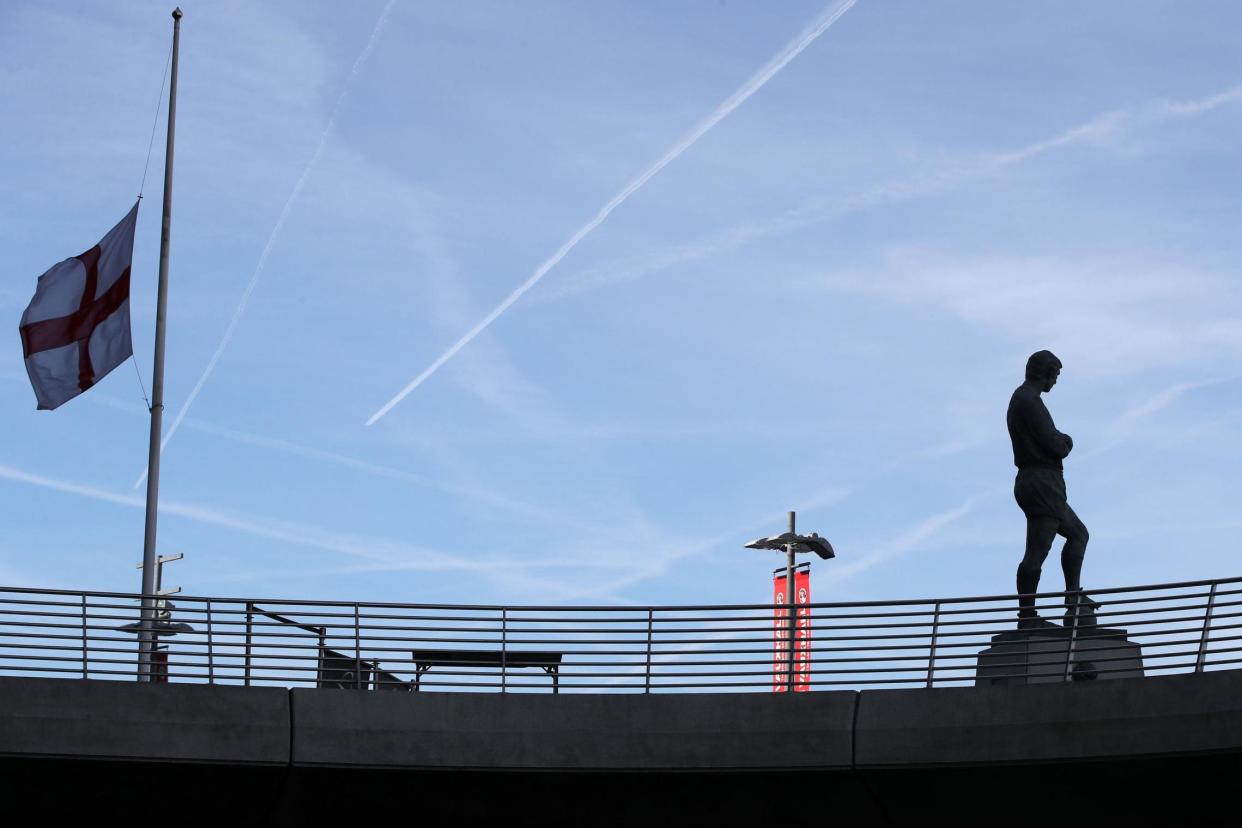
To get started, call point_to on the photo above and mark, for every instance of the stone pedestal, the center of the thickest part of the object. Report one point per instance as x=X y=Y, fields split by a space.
x=1039 y=656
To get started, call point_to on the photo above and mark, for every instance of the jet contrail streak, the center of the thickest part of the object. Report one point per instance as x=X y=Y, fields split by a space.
x=822 y=209
x=380 y=24
x=795 y=47
x=381 y=554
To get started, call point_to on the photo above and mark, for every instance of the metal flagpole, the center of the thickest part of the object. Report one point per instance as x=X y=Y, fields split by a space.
x=146 y=638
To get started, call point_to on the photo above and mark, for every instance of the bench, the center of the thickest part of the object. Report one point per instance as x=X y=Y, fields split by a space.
x=550 y=663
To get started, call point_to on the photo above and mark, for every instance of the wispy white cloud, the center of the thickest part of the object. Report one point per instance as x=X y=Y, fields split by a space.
x=905 y=543
x=285 y=531
x=466 y=492
x=1166 y=397
x=1125 y=426
x=656 y=559
x=936 y=452
x=515 y=575
x=627 y=520
x=378 y=30
x=1100 y=131
x=380 y=554
x=472 y=493
x=808 y=36
x=1195 y=107
x=600 y=507
x=1109 y=314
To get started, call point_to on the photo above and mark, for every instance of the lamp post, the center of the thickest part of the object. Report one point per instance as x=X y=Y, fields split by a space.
x=792 y=544
x=160 y=623
x=159 y=573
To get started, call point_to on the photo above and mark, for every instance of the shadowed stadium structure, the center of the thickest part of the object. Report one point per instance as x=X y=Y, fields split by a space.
x=289 y=712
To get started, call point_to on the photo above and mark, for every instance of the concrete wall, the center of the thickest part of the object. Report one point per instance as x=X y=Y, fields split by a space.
x=572 y=732
x=1163 y=716
x=1158 y=716
x=227 y=755
x=164 y=722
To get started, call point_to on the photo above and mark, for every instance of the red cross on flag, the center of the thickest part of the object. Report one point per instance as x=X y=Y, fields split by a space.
x=76 y=328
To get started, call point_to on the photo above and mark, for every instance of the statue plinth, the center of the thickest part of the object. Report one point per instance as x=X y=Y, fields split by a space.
x=1039 y=656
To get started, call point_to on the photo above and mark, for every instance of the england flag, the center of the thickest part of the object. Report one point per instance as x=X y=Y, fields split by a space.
x=76 y=328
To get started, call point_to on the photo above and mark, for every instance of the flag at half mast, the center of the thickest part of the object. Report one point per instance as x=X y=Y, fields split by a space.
x=76 y=328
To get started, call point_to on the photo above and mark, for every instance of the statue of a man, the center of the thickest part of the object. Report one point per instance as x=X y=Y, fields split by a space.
x=1038 y=449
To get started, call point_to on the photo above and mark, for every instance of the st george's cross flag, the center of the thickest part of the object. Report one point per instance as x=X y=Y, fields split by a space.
x=76 y=328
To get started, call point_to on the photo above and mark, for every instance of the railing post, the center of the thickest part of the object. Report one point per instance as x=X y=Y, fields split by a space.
x=357 y=647
x=321 y=645
x=1207 y=630
x=650 y=630
x=931 y=656
x=85 y=656
x=1072 y=613
x=211 y=669
x=504 y=649
x=249 y=635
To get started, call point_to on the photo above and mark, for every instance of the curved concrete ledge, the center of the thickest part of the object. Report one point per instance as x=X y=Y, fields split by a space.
x=1133 y=718
x=344 y=728
x=966 y=756
x=823 y=731
x=124 y=720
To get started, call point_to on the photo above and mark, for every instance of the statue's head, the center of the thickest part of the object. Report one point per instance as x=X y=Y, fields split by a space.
x=1043 y=367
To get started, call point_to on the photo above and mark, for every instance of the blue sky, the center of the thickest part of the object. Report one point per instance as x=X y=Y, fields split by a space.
x=823 y=304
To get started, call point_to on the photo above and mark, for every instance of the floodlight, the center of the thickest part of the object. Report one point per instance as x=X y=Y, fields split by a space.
x=793 y=542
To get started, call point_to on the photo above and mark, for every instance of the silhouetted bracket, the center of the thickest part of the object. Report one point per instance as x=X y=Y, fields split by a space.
x=801 y=543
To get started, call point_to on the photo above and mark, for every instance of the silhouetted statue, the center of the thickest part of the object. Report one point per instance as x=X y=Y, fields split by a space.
x=1038 y=449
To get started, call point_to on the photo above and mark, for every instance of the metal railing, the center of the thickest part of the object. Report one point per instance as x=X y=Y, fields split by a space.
x=1145 y=630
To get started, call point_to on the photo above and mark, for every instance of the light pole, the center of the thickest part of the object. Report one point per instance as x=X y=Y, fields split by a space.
x=792 y=544
x=159 y=572
x=160 y=623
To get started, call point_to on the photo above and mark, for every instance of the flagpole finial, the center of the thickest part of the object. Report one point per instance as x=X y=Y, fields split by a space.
x=177 y=13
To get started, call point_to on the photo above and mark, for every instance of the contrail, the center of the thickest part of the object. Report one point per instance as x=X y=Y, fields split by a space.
x=1122 y=428
x=821 y=209
x=379 y=554
x=795 y=47
x=380 y=24
x=493 y=499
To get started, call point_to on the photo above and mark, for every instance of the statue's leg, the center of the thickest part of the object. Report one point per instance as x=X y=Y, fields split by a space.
x=1041 y=531
x=1075 y=534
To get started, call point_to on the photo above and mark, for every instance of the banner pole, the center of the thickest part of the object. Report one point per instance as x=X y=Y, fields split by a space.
x=146 y=637
x=793 y=607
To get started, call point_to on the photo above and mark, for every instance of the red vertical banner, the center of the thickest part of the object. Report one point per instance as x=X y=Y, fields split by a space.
x=802 y=630
x=780 y=631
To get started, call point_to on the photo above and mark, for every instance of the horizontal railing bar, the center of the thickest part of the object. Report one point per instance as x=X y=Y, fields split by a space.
x=276 y=603
x=661 y=649
x=815 y=648
x=582 y=630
